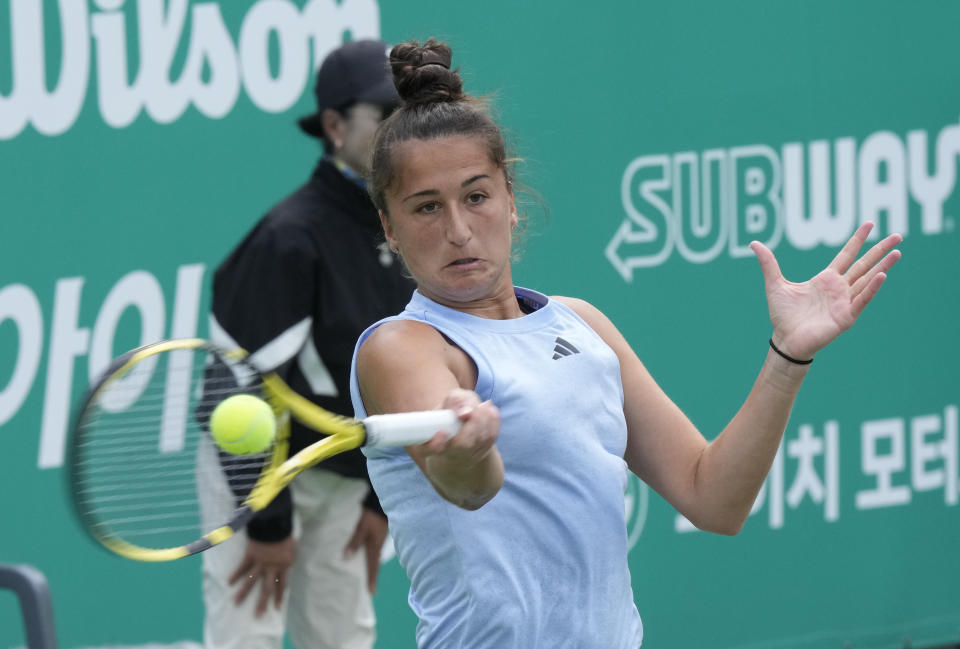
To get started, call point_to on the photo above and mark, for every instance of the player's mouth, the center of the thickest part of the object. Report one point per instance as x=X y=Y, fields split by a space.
x=465 y=262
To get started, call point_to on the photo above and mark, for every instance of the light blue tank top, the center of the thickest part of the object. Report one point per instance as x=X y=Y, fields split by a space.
x=544 y=563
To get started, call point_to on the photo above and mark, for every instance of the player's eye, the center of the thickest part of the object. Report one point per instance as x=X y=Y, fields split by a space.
x=428 y=208
x=476 y=198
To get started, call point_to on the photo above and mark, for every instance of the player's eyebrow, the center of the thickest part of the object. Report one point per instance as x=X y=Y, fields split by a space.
x=431 y=192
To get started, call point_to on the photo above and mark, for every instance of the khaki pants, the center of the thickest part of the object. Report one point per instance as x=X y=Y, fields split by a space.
x=327 y=604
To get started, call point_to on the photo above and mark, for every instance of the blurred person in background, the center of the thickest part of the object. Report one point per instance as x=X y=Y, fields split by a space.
x=296 y=293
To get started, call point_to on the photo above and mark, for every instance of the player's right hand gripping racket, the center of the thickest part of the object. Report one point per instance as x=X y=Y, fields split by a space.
x=135 y=442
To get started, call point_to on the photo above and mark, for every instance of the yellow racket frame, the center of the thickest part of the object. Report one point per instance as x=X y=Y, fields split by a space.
x=343 y=434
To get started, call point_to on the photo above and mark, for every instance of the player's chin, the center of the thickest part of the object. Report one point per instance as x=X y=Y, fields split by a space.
x=463 y=285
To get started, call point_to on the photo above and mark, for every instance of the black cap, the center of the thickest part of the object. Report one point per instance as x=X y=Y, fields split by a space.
x=354 y=72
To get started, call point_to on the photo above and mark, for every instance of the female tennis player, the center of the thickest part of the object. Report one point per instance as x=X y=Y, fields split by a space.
x=512 y=532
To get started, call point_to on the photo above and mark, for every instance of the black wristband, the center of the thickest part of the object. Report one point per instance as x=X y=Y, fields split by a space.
x=789 y=358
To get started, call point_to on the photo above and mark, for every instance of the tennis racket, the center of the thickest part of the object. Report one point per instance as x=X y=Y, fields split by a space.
x=135 y=442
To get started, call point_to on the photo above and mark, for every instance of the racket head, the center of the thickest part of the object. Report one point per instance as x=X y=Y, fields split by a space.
x=134 y=445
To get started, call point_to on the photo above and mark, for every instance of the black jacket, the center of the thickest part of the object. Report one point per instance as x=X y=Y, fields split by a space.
x=297 y=292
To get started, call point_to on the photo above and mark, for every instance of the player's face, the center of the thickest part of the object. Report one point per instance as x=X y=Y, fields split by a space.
x=356 y=133
x=451 y=213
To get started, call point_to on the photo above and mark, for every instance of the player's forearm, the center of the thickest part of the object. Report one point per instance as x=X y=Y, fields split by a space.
x=466 y=486
x=733 y=467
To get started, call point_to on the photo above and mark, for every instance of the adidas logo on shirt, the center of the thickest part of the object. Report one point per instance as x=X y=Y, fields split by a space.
x=563 y=348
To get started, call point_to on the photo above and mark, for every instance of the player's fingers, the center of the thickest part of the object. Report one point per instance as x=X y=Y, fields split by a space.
x=479 y=433
x=476 y=419
x=885 y=264
x=461 y=401
x=481 y=425
x=863 y=299
x=491 y=416
x=438 y=443
x=849 y=252
x=864 y=265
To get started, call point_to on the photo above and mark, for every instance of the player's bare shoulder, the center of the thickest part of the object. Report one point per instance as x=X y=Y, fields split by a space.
x=582 y=308
x=410 y=348
x=594 y=318
x=401 y=341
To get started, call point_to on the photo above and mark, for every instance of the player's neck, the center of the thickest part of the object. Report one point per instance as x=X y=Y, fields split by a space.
x=501 y=304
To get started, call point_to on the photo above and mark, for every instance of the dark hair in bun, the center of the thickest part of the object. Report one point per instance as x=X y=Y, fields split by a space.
x=432 y=105
x=422 y=74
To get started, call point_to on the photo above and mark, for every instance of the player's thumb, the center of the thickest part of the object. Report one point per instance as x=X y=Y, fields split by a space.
x=768 y=263
x=461 y=401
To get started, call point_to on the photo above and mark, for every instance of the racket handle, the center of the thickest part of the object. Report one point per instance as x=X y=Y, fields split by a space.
x=407 y=428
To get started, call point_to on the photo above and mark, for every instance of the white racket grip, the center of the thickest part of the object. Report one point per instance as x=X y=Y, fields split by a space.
x=407 y=428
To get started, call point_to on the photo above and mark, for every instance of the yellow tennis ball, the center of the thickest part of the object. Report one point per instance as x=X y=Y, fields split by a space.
x=243 y=425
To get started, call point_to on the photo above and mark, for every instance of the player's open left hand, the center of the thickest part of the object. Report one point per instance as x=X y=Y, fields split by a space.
x=807 y=316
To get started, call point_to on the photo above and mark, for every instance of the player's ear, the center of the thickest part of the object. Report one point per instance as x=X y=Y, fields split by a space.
x=514 y=218
x=387 y=230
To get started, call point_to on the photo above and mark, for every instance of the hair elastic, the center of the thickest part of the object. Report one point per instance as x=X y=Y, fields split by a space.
x=432 y=58
x=789 y=358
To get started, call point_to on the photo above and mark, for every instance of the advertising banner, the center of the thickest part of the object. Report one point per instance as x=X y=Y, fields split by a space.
x=140 y=139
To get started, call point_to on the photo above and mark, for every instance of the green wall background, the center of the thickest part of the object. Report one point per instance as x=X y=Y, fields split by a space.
x=585 y=90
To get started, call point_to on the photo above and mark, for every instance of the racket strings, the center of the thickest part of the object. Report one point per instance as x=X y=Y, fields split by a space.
x=143 y=456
